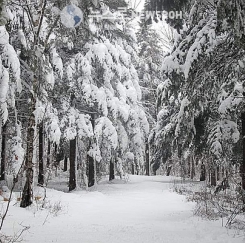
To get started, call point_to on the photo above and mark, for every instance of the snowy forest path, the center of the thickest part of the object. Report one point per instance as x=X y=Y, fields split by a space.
x=143 y=210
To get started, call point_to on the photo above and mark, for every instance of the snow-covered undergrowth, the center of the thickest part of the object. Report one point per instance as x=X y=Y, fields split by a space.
x=215 y=203
x=143 y=210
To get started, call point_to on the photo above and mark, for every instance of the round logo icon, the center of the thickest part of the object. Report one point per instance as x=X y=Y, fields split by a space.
x=71 y=16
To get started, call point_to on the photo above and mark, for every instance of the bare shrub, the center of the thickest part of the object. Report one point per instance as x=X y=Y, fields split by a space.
x=211 y=203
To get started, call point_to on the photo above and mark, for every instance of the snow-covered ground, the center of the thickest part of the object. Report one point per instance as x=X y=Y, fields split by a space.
x=143 y=210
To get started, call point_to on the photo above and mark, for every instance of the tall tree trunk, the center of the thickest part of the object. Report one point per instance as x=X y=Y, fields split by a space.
x=222 y=172
x=203 y=173
x=169 y=168
x=242 y=167
x=189 y=167
x=147 y=159
x=133 y=170
x=3 y=152
x=41 y=167
x=136 y=166
x=48 y=153
x=218 y=173
x=55 y=159
x=192 y=168
x=112 y=169
x=96 y=171
x=91 y=174
x=72 y=178
x=213 y=176
x=27 y=192
x=60 y=156
x=90 y=169
x=65 y=163
x=56 y=156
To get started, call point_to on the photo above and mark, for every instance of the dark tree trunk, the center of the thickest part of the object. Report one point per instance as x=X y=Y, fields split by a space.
x=169 y=170
x=90 y=160
x=147 y=159
x=65 y=164
x=218 y=173
x=90 y=173
x=3 y=152
x=28 y=192
x=136 y=169
x=133 y=171
x=183 y=171
x=136 y=166
x=56 y=159
x=203 y=173
x=213 y=176
x=55 y=156
x=242 y=167
x=60 y=156
x=72 y=178
x=41 y=167
x=223 y=172
x=189 y=167
x=112 y=169
x=48 y=153
x=192 y=168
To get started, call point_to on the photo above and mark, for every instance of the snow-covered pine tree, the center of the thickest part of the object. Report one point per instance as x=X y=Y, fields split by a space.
x=31 y=28
x=97 y=85
x=202 y=118
x=151 y=54
x=149 y=69
x=10 y=86
x=105 y=86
